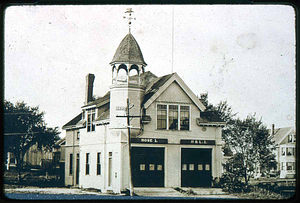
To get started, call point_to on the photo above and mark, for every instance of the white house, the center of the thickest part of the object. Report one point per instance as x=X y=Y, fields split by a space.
x=285 y=141
x=174 y=141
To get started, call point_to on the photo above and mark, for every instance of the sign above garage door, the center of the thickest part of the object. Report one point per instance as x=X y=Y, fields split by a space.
x=198 y=142
x=149 y=140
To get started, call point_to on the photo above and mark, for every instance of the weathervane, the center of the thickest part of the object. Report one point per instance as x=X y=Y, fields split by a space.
x=129 y=18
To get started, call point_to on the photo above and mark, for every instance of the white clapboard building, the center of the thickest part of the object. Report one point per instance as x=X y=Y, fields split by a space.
x=174 y=141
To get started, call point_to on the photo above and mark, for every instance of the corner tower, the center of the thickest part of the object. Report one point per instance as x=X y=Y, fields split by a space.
x=127 y=66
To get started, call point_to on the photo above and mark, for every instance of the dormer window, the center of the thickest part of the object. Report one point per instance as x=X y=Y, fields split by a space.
x=90 y=119
x=292 y=138
x=169 y=116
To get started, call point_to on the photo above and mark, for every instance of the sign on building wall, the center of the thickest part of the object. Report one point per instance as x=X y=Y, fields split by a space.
x=198 y=142
x=149 y=140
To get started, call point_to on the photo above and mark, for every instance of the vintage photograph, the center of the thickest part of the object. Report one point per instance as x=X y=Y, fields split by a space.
x=188 y=102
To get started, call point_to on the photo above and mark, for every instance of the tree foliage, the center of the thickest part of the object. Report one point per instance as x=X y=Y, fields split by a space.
x=24 y=126
x=222 y=109
x=247 y=141
x=252 y=146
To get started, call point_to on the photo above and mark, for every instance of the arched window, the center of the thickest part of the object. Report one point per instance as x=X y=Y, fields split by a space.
x=134 y=70
x=122 y=70
x=114 y=71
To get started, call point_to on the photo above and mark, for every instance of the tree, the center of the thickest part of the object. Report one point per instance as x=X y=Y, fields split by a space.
x=24 y=126
x=247 y=141
x=223 y=111
x=252 y=146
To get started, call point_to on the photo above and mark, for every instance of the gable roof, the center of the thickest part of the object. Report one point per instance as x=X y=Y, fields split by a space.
x=163 y=83
x=281 y=133
x=155 y=86
x=73 y=122
x=99 y=101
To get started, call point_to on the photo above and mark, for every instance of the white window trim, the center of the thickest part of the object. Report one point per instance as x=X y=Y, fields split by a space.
x=89 y=112
x=101 y=172
x=167 y=122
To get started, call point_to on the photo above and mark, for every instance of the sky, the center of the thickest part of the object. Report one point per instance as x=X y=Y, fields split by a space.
x=242 y=54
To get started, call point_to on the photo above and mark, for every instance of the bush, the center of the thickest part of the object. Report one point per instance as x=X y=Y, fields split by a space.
x=232 y=184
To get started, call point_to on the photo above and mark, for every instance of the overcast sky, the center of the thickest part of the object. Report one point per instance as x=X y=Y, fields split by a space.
x=242 y=54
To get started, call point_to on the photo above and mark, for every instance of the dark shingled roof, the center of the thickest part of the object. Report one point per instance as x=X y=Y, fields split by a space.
x=74 y=121
x=129 y=51
x=279 y=133
x=155 y=87
x=99 y=100
x=210 y=117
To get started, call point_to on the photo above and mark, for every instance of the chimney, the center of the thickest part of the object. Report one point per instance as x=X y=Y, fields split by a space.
x=89 y=87
x=273 y=129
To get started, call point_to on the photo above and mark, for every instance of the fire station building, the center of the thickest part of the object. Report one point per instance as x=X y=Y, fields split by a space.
x=174 y=141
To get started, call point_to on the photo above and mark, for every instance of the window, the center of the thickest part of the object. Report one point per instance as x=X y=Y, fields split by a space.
x=290 y=166
x=161 y=117
x=151 y=167
x=191 y=167
x=173 y=117
x=83 y=115
x=142 y=167
x=87 y=164
x=207 y=167
x=99 y=163
x=200 y=167
x=292 y=139
x=168 y=117
x=159 y=167
x=90 y=119
x=184 y=167
x=78 y=135
x=283 y=151
x=71 y=164
x=290 y=151
x=184 y=117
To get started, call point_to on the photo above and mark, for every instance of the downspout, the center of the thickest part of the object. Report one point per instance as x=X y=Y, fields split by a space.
x=104 y=156
x=73 y=163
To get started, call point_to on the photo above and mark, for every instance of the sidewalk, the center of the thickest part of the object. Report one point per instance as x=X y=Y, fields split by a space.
x=187 y=192
x=141 y=192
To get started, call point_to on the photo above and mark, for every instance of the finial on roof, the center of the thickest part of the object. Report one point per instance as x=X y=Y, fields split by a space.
x=129 y=18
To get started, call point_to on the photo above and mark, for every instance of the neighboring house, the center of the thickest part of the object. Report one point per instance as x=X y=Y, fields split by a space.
x=33 y=158
x=174 y=141
x=71 y=150
x=59 y=159
x=285 y=140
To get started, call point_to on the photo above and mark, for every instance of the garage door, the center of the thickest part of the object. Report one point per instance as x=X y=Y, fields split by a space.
x=147 y=166
x=196 y=167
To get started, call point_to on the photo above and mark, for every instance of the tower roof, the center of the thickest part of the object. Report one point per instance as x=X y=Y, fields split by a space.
x=128 y=52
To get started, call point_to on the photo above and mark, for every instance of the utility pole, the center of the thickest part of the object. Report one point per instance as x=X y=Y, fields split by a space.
x=129 y=145
x=129 y=150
